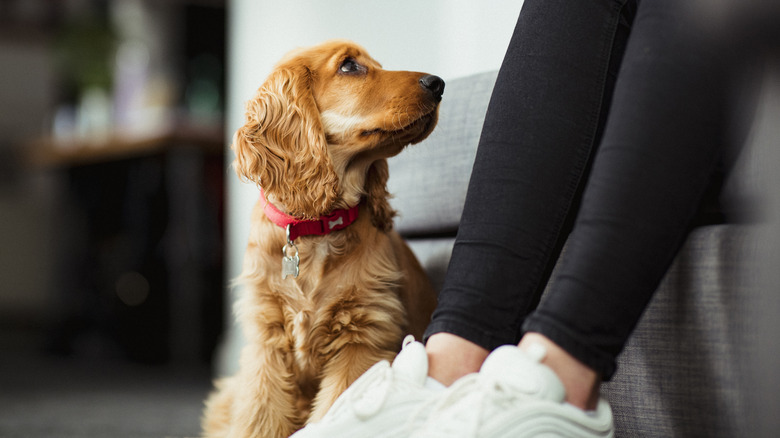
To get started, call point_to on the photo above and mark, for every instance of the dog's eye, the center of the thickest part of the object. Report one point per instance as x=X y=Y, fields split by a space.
x=350 y=66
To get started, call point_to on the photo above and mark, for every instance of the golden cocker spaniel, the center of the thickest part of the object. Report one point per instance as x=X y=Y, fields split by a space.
x=329 y=287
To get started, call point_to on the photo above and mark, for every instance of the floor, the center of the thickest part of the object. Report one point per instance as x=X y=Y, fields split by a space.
x=43 y=396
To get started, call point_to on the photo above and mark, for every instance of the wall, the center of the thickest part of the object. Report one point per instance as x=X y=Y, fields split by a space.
x=450 y=38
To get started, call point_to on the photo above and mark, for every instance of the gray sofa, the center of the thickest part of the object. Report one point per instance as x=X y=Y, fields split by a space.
x=683 y=372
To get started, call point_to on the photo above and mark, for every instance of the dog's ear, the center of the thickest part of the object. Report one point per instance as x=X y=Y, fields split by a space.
x=282 y=144
x=377 y=196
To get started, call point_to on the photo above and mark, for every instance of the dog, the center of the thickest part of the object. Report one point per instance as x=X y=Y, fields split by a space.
x=329 y=287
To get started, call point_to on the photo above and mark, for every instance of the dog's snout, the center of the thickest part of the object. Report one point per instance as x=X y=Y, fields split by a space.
x=434 y=84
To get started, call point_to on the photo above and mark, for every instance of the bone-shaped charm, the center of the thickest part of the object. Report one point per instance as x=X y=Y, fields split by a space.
x=339 y=221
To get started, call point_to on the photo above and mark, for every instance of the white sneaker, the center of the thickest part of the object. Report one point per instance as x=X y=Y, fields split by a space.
x=513 y=395
x=380 y=401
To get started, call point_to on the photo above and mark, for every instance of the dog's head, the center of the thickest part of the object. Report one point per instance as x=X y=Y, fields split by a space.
x=319 y=129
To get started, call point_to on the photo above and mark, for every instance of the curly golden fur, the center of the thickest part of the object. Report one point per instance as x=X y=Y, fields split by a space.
x=316 y=138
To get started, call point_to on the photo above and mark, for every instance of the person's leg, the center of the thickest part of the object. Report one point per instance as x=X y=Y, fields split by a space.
x=545 y=117
x=660 y=144
x=663 y=138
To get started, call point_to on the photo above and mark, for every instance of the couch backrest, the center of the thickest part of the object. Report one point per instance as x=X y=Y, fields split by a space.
x=429 y=180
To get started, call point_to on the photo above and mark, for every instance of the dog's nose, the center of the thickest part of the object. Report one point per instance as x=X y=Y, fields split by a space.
x=434 y=84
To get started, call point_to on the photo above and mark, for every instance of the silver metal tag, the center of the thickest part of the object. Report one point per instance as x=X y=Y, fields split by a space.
x=290 y=265
x=289 y=262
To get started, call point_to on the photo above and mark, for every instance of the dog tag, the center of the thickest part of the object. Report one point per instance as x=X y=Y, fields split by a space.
x=290 y=262
x=290 y=266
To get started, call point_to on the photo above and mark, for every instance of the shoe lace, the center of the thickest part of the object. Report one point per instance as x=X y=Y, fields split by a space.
x=442 y=416
x=370 y=391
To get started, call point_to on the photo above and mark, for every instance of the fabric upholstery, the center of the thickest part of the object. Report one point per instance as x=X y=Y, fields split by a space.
x=680 y=374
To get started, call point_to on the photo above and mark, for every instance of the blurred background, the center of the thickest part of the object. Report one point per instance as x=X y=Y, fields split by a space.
x=111 y=213
x=121 y=222
x=111 y=143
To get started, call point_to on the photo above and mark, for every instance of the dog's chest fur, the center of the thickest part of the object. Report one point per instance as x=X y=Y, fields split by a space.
x=307 y=311
x=312 y=309
x=343 y=306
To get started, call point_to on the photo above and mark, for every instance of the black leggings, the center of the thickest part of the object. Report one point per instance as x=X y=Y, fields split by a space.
x=605 y=127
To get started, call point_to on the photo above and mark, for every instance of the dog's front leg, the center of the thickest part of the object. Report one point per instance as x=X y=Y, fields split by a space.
x=265 y=402
x=339 y=372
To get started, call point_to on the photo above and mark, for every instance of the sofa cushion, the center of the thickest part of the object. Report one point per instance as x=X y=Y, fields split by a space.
x=429 y=180
x=682 y=372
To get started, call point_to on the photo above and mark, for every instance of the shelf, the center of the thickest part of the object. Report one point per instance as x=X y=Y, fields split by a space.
x=51 y=152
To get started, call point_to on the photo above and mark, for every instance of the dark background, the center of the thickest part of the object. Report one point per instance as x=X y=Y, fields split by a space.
x=111 y=214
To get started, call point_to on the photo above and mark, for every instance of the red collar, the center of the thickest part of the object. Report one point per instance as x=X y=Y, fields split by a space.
x=337 y=220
